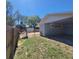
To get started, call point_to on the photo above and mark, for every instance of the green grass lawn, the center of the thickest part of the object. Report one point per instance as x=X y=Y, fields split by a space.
x=42 y=48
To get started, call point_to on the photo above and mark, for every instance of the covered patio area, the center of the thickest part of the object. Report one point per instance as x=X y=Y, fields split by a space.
x=60 y=30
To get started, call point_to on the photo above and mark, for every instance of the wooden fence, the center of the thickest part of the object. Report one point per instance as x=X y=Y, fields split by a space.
x=11 y=41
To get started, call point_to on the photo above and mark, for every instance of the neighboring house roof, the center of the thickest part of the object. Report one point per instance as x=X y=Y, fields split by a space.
x=55 y=17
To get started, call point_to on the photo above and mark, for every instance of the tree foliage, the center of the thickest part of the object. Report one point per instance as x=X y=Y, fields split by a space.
x=11 y=18
x=9 y=14
x=25 y=19
x=9 y=9
x=32 y=20
x=17 y=17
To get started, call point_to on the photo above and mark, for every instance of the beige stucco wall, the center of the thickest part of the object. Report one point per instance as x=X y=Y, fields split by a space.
x=42 y=29
x=53 y=18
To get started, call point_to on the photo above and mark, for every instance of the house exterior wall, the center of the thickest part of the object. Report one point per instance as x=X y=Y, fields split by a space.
x=63 y=27
x=51 y=18
x=42 y=29
x=55 y=18
x=64 y=21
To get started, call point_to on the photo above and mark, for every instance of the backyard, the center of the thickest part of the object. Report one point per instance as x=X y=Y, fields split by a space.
x=38 y=47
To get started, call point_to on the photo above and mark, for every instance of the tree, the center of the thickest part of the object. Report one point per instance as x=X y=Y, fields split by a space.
x=18 y=17
x=9 y=14
x=34 y=20
x=38 y=19
x=9 y=9
x=25 y=19
x=31 y=21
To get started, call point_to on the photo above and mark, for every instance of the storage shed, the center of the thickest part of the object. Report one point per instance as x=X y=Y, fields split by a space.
x=57 y=24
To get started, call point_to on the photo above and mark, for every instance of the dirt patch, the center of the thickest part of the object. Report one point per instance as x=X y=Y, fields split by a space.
x=32 y=34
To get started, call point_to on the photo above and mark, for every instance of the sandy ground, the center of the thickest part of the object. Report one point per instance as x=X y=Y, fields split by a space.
x=33 y=34
x=29 y=34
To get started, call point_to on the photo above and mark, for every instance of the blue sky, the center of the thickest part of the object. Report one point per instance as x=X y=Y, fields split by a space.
x=42 y=7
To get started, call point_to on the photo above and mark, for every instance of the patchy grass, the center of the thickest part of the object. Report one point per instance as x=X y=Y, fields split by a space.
x=42 y=48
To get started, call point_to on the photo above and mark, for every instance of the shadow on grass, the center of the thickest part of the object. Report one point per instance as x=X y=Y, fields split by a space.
x=67 y=39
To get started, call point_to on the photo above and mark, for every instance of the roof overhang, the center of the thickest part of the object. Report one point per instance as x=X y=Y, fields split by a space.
x=56 y=17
